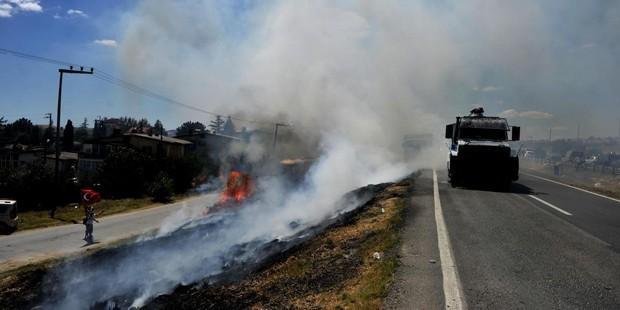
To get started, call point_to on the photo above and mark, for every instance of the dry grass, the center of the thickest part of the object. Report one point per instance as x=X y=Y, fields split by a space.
x=73 y=214
x=337 y=270
x=370 y=285
x=334 y=270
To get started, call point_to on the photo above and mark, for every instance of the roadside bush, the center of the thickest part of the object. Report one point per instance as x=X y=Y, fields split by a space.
x=162 y=188
x=32 y=185
x=126 y=172
x=183 y=171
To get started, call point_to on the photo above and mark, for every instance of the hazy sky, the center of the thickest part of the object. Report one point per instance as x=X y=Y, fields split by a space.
x=542 y=64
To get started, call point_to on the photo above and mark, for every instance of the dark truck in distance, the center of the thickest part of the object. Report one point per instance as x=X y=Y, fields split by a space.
x=479 y=150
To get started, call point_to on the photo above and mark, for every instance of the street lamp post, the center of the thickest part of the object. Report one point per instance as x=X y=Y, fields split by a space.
x=275 y=134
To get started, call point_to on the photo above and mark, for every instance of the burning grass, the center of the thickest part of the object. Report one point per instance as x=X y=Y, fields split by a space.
x=334 y=270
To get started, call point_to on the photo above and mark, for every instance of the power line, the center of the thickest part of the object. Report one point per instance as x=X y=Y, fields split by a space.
x=109 y=78
x=36 y=58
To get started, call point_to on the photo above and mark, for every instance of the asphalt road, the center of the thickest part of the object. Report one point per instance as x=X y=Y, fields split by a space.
x=32 y=246
x=541 y=246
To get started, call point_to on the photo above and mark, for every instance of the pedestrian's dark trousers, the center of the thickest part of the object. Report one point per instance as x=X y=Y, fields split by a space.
x=89 y=229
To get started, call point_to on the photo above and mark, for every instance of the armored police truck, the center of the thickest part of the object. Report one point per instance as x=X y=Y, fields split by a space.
x=479 y=150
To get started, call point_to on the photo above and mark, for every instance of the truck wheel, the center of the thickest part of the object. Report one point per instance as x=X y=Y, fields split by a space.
x=454 y=182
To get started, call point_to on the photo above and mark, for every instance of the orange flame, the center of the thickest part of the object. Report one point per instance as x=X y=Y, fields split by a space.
x=238 y=187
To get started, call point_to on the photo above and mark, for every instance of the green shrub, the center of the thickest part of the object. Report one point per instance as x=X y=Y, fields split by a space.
x=32 y=185
x=162 y=188
x=126 y=172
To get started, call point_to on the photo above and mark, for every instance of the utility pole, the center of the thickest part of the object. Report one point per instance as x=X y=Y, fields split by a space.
x=47 y=140
x=550 y=134
x=275 y=134
x=62 y=71
x=49 y=117
x=578 y=129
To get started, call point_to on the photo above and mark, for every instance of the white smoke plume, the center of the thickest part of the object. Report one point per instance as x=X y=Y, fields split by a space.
x=352 y=77
x=344 y=75
x=359 y=65
x=358 y=71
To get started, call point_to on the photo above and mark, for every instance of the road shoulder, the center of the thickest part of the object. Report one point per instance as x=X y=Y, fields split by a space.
x=418 y=279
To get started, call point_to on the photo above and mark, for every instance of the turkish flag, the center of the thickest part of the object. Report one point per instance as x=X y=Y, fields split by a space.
x=89 y=196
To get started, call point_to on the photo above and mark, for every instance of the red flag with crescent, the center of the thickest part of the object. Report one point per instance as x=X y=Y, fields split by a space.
x=89 y=196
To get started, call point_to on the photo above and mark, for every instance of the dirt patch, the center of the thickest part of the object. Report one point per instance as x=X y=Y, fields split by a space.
x=18 y=289
x=349 y=266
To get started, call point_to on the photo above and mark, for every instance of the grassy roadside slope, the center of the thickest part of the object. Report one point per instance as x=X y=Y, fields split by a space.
x=349 y=266
x=73 y=214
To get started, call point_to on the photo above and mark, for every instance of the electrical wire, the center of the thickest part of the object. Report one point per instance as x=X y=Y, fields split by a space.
x=109 y=78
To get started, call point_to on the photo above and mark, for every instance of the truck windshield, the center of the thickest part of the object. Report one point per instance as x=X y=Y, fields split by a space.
x=483 y=128
x=483 y=134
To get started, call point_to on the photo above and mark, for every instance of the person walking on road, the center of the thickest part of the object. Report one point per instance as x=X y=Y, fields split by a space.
x=89 y=197
x=88 y=222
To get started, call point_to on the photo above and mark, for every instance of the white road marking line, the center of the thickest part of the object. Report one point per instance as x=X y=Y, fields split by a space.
x=580 y=230
x=551 y=206
x=452 y=290
x=573 y=187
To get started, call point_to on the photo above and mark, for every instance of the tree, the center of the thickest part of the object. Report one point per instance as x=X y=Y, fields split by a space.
x=126 y=172
x=22 y=125
x=190 y=127
x=68 y=136
x=22 y=131
x=127 y=123
x=229 y=127
x=143 y=124
x=81 y=133
x=159 y=128
x=183 y=171
x=217 y=124
x=99 y=128
x=162 y=188
x=31 y=184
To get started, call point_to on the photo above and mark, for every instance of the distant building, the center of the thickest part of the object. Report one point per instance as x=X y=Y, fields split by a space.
x=149 y=144
x=156 y=144
x=107 y=127
x=215 y=145
x=94 y=151
x=67 y=162
x=15 y=155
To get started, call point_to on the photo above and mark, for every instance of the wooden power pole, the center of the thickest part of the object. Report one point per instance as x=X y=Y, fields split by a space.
x=57 y=140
